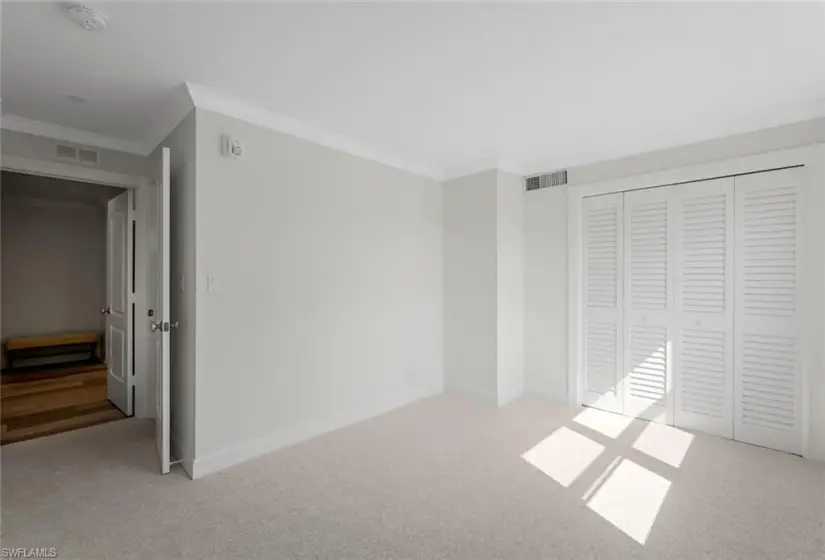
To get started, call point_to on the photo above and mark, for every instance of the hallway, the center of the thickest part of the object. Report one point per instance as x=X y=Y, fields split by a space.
x=41 y=402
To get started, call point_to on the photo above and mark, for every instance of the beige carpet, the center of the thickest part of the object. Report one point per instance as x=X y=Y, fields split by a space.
x=443 y=478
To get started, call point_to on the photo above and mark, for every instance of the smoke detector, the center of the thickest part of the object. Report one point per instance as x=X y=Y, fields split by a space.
x=87 y=18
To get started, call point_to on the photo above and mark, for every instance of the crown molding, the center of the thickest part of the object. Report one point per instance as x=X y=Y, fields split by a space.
x=68 y=134
x=206 y=98
x=188 y=96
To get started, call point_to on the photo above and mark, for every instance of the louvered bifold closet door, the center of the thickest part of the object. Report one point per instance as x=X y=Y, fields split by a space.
x=767 y=354
x=648 y=301
x=602 y=273
x=703 y=345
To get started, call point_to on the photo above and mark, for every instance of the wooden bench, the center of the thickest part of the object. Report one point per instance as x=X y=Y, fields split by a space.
x=26 y=347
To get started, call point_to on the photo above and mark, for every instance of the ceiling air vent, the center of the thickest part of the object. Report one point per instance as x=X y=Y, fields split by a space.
x=548 y=180
x=81 y=155
x=87 y=156
x=66 y=152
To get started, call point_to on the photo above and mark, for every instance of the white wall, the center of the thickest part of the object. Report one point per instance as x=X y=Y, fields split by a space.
x=545 y=292
x=546 y=339
x=182 y=147
x=325 y=307
x=510 y=286
x=470 y=285
x=53 y=264
x=484 y=285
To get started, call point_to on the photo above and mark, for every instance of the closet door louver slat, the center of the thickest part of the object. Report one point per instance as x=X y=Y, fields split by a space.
x=767 y=399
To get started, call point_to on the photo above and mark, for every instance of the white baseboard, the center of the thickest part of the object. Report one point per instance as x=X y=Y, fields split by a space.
x=486 y=396
x=498 y=399
x=188 y=465
x=508 y=396
x=546 y=393
x=250 y=450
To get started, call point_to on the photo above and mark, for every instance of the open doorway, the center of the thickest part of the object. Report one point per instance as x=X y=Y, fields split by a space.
x=136 y=322
x=68 y=281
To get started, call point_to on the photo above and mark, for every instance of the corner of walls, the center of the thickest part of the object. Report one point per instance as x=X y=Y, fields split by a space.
x=510 y=285
x=506 y=395
x=177 y=107
x=484 y=286
x=469 y=285
x=185 y=455
x=473 y=392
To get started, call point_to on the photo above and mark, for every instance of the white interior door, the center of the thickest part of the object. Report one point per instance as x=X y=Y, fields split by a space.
x=703 y=347
x=119 y=301
x=602 y=296
x=161 y=325
x=647 y=303
x=768 y=408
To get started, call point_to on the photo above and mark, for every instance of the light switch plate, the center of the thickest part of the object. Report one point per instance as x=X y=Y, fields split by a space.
x=213 y=285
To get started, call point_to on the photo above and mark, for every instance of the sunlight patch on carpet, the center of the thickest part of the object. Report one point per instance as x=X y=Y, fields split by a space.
x=666 y=443
x=607 y=423
x=630 y=499
x=563 y=455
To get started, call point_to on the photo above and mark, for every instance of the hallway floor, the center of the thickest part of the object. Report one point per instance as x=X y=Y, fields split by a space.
x=41 y=402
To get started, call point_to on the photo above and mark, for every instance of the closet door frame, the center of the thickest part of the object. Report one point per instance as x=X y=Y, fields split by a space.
x=811 y=158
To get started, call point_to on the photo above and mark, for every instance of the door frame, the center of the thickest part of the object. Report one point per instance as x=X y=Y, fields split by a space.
x=144 y=405
x=812 y=158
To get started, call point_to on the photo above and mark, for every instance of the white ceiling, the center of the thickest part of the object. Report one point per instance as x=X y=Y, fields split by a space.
x=451 y=87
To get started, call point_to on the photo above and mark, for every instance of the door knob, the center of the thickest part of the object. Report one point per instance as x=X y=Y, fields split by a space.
x=164 y=326
x=105 y=310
